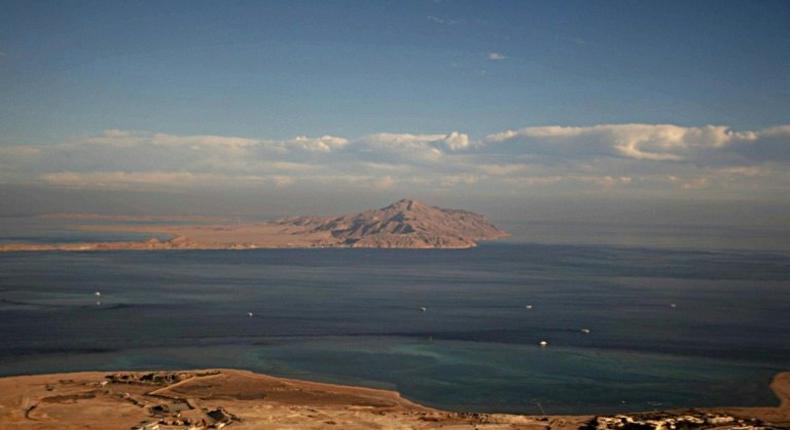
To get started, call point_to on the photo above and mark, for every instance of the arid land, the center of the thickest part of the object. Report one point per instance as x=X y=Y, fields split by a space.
x=403 y=224
x=239 y=399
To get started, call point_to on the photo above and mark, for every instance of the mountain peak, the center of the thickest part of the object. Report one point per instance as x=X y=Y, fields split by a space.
x=405 y=204
x=407 y=223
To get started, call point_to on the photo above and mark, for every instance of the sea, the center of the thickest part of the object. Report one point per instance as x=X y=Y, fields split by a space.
x=633 y=319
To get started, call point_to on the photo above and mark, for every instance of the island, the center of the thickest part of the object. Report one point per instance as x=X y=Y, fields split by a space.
x=238 y=400
x=403 y=224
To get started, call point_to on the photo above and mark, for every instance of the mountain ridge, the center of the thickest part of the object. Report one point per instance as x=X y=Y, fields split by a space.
x=403 y=224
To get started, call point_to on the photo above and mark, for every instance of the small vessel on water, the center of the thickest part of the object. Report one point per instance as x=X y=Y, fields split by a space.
x=528 y=306
x=423 y=309
x=250 y=314
x=543 y=343
x=586 y=331
x=97 y=294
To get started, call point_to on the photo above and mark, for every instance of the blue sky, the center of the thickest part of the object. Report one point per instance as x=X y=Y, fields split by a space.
x=130 y=74
x=280 y=69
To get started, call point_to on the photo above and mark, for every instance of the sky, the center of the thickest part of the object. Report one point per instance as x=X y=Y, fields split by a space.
x=325 y=106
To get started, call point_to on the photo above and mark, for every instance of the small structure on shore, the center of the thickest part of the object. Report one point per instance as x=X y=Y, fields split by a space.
x=690 y=419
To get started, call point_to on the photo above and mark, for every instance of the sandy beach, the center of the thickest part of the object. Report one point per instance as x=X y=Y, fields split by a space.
x=240 y=399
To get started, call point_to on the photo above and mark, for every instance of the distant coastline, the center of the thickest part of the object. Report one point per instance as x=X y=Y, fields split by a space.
x=404 y=224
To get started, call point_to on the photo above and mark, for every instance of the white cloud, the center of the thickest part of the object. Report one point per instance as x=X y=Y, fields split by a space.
x=384 y=183
x=660 y=142
x=19 y=151
x=159 y=180
x=496 y=56
x=443 y=21
x=501 y=169
x=459 y=179
x=455 y=141
x=120 y=138
x=397 y=147
x=664 y=157
x=321 y=144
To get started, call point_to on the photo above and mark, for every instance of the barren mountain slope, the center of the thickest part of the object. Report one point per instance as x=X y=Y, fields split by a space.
x=404 y=224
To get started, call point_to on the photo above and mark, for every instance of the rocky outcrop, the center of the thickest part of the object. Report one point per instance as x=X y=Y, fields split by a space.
x=404 y=224
x=689 y=420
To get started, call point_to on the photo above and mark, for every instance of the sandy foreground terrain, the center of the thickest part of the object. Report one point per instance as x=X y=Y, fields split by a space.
x=244 y=400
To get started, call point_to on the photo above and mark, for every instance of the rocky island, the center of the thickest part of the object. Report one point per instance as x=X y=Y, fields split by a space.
x=403 y=224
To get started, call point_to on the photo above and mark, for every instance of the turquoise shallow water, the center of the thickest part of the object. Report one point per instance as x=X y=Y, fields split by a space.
x=353 y=316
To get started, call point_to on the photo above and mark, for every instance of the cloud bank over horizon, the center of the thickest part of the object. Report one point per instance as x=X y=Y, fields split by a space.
x=659 y=159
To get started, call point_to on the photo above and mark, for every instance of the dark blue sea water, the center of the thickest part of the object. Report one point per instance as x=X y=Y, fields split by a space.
x=353 y=316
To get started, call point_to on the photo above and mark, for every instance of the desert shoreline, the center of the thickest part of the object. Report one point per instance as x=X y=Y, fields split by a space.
x=405 y=224
x=167 y=245
x=240 y=399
